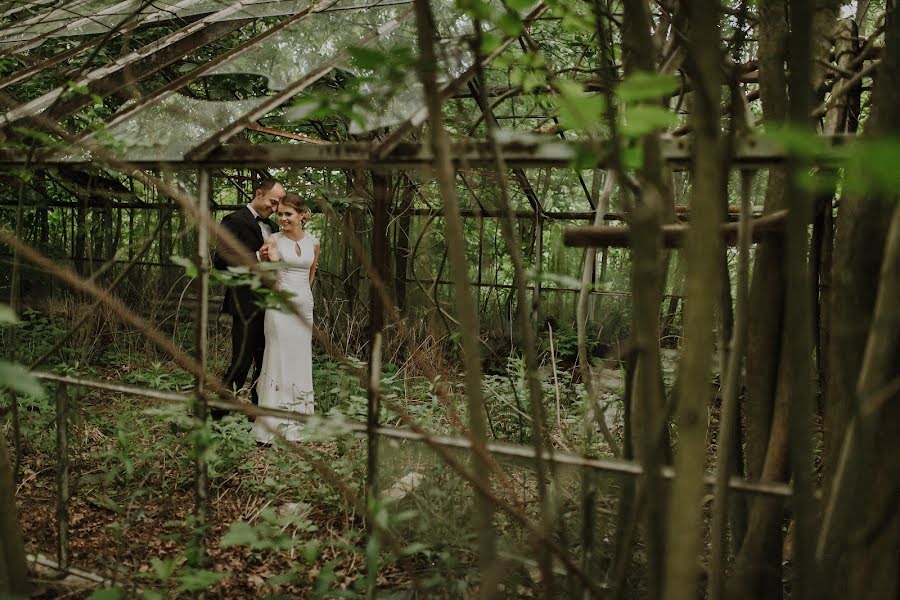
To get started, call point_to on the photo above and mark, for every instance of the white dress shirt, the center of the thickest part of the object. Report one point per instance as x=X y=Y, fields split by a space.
x=263 y=225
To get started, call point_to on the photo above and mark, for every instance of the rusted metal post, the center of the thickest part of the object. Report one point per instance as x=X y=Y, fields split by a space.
x=62 y=476
x=538 y=267
x=376 y=323
x=479 y=283
x=380 y=194
x=201 y=336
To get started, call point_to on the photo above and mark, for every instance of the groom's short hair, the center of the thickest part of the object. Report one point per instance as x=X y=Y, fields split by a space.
x=267 y=184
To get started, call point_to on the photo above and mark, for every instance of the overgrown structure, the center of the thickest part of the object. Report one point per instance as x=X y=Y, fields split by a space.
x=452 y=146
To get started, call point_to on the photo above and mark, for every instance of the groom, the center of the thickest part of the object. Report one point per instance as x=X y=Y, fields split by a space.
x=250 y=225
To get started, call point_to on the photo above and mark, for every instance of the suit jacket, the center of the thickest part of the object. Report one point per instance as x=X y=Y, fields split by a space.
x=242 y=225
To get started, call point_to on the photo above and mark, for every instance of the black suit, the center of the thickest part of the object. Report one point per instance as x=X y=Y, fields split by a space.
x=248 y=341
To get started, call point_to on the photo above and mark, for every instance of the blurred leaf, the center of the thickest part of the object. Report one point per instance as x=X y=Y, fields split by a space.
x=7 y=315
x=163 y=568
x=644 y=119
x=510 y=24
x=190 y=269
x=366 y=58
x=576 y=109
x=490 y=42
x=799 y=142
x=558 y=278
x=646 y=86
x=633 y=157
x=520 y=5
x=281 y=579
x=414 y=548
x=477 y=9
x=19 y=379
x=106 y=594
x=872 y=166
x=199 y=579
x=239 y=534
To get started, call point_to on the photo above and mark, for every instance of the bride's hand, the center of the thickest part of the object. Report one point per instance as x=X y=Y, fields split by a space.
x=269 y=251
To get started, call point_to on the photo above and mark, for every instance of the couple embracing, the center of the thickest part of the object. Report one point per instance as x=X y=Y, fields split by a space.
x=278 y=343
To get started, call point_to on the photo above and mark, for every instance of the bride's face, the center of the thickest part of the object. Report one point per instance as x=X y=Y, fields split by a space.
x=290 y=219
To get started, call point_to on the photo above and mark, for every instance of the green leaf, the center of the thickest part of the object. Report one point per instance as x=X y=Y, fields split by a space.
x=584 y=158
x=644 y=118
x=872 y=166
x=510 y=24
x=477 y=9
x=19 y=379
x=642 y=85
x=633 y=157
x=576 y=109
x=520 y=5
x=366 y=58
x=199 y=579
x=106 y=594
x=414 y=548
x=800 y=142
x=490 y=42
x=7 y=315
x=190 y=269
x=281 y=579
x=78 y=89
x=163 y=568
x=239 y=534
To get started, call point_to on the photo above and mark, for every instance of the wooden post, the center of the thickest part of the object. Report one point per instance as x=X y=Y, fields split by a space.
x=62 y=476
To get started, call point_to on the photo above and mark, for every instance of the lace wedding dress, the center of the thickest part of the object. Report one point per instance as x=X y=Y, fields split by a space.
x=285 y=381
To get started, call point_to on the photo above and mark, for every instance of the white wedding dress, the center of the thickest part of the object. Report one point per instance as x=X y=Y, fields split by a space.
x=285 y=381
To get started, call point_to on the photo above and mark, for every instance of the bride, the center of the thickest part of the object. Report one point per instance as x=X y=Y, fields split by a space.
x=285 y=381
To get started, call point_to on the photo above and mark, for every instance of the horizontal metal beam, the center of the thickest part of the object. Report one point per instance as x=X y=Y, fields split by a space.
x=37 y=105
x=222 y=136
x=607 y=465
x=171 y=87
x=525 y=151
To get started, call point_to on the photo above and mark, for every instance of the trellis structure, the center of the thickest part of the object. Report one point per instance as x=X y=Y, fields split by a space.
x=162 y=130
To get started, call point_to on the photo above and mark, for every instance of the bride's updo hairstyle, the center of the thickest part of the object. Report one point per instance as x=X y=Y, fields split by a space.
x=294 y=201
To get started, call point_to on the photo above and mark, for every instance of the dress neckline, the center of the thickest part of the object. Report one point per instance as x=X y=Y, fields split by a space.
x=285 y=236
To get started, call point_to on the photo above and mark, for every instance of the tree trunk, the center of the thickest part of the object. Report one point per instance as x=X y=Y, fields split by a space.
x=873 y=548
x=757 y=571
x=835 y=413
x=13 y=567
x=703 y=255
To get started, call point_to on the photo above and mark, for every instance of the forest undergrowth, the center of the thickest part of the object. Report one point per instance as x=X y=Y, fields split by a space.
x=277 y=527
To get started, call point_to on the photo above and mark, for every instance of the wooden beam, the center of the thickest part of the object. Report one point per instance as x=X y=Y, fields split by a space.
x=771 y=225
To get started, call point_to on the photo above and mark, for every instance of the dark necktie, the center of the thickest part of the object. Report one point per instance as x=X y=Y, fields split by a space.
x=259 y=219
